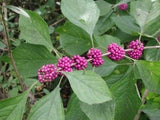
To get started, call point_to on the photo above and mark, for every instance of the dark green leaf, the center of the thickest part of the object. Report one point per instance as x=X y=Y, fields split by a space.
x=89 y=87
x=73 y=39
x=83 y=13
x=126 y=24
x=35 y=30
x=126 y=97
x=48 y=108
x=29 y=58
x=74 y=111
x=13 y=108
x=149 y=73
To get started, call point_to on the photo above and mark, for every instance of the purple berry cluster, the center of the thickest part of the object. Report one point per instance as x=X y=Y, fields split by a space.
x=65 y=64
x=79 y=63
x=137 y=47
x=123 y=6
x=47 y=73
x=116 y=52
x=158 y=37
x=96 y=57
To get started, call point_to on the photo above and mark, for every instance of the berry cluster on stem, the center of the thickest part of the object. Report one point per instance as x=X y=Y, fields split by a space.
x=115 y=52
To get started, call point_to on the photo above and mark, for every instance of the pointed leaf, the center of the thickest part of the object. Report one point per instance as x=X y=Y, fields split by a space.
x=35 y=30
x=89 y=87
x=126 y=97
x=83 y=13
x=48 y=108
x=13 y=108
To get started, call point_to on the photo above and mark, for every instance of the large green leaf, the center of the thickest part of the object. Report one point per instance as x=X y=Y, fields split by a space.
x=35 y=30
x=126 y=96
x=48 y=108
x=149 y=73
x=104 y=7
x=103 y=111
x=74 y=111
x=152 y=109
x=105 y=40
x=152 y=54
x=126 y=24
x=107 y=67
x=89 y=87
x=73 y=39
x=29 y=58
x=13 y=108
x=83 y=13
x=147 y=15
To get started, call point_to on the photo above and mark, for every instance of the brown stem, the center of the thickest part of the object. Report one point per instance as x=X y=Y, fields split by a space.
x=57 y=22
x=143 y=102
x=6 y=38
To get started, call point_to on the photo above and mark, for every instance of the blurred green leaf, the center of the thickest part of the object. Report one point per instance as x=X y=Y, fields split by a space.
x=104 y=7
x=35 y=30
x=150 y=75
x=48 y=108
x=147 y=15
x=89 y=87
x=83 y=13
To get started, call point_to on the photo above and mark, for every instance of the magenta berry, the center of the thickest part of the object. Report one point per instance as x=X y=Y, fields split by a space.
x=96 y=57
x=123 y=6
x=47 y=73
x=137 y=47
x=116 y=52
x=80 y=63
x=64 y=64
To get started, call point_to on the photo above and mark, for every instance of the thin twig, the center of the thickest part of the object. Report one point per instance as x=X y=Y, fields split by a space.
x=57 y=22
x=143 y=102
x=6 y=38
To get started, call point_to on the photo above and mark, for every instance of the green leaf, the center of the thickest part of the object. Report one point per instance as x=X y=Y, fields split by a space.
x=149 y=72
x=35 y=30
x=13 y=108
x=74 y=111
x=83 y=13
x=126 y=97
x=147 y=15
x=89 y=87
x=105 y=40
x=126 y=24
x=104 y=7
x=152 y=109
x=29 y=58
x=73 y=39
x=107 y=67
x=48 y=108
x=103 y=111
x=104 y=24
x=152 y=54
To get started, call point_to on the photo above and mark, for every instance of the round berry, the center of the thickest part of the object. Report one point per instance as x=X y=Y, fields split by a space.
x=116 y=52
x=137 y=47
x=96 y=57
x=47 y=73
x=123 y=6
x=64 y=64
x=79 y=63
